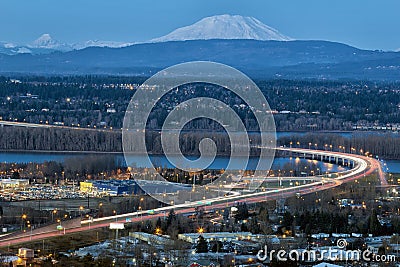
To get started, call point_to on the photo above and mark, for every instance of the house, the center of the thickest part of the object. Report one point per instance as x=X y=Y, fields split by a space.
x=320 y=236
x=203 y=263
x=26 y=257
x=221 y=236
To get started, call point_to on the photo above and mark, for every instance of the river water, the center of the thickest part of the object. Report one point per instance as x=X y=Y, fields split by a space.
x=218 y=163
x=140 y=161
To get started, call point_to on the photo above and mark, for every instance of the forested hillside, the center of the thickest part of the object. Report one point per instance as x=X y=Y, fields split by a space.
x=57 y=139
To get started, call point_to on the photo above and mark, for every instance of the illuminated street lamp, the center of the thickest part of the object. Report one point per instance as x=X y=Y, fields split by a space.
x=23 y=218
x=158 y=231
x=31 y=229
x=143 y=203
x=80 y=210
x=53 y=212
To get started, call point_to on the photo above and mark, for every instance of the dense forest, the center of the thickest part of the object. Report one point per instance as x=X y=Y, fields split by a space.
x=59 y=139
x=101 y=101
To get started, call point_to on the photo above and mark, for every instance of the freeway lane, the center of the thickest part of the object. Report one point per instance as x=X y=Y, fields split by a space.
x=364 y=166
x=47 y=126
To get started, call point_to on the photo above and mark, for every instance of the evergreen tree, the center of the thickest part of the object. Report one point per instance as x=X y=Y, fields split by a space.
x=374 y=224
x=171 y=217
x=242 y=212
x=202 y=246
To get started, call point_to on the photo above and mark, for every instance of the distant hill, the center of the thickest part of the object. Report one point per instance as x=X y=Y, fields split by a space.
x=266 y=59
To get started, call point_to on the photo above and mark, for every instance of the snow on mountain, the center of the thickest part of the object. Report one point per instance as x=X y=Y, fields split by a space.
x=225 y=27
x=12 y=49
x=23 y=50
x=45 y=41
x=8 y=45
x=98 y=43
x=215 y=27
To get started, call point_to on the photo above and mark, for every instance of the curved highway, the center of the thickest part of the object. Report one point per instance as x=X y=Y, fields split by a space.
x=362 y=166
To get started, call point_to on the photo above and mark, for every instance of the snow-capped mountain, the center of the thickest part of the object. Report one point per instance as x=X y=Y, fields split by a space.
x=45 y=41
x=46 y=44
x=98 y=43
x=7 y=45
x=225 y=27
x=12 y=49
x=215 y=27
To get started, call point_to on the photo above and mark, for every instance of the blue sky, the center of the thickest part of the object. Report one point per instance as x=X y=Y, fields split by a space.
x=362 y=23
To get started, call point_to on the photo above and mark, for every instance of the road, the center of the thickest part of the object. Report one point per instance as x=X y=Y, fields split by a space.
x=363 y=166
x=47 y=126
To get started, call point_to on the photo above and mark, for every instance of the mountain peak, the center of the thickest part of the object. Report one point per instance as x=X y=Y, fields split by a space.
x=225 y=27
x=46 y=41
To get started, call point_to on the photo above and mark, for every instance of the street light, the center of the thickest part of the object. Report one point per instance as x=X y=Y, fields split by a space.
x=142 y=201
x=54 y=212
x=80 y=211
x=31 y=229
x=158 y=231
x=23 y=218
x=140 y=209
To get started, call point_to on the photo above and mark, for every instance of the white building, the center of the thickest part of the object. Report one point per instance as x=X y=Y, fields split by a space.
x=222 y=236
x=13 y=183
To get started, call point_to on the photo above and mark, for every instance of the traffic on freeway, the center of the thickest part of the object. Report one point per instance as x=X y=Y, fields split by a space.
x=363 y=166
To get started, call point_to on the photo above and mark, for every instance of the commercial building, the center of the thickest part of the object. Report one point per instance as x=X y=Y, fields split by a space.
x=86 y=186
x=111 y=187
x=221 y=236
x=13 y=183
